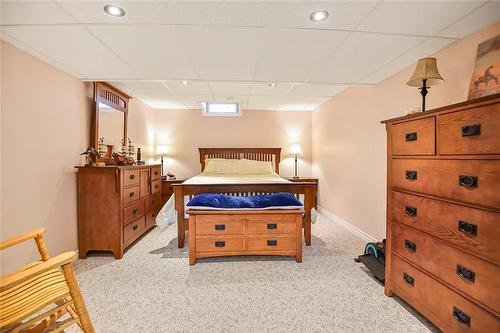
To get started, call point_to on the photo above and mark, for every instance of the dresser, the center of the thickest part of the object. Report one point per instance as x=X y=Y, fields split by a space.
x=443 y=214
x=116 y=205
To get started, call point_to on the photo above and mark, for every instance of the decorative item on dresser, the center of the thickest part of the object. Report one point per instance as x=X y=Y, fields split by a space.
x=426 y=74
x=443 y=214
x=116 y=205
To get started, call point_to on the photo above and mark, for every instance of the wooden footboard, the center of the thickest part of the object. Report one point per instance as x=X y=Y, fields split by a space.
x=182 y=190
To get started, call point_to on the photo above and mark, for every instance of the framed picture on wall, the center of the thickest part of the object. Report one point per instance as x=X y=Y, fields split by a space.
x=486 y=75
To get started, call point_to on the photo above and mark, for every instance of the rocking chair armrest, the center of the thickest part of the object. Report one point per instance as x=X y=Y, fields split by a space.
x=55 y=262
x=19 y=239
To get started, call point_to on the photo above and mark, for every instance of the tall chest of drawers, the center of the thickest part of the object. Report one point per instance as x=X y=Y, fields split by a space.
x=116 y=205
x=443 y=214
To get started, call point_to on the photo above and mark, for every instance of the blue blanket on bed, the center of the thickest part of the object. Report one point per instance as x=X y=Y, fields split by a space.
x=282 y=200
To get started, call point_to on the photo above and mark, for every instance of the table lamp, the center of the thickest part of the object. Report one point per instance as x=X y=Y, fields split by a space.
x=296 y=151
x=426 y=74
x=161 y=150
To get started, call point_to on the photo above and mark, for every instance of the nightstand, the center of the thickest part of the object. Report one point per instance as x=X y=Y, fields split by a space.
x=166 y=188
x=305 y=180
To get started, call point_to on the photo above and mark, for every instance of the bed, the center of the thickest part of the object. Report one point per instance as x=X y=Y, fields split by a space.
x=241 y=185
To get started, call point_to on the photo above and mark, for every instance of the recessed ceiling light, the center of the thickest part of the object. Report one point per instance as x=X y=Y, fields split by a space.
x=319 y=15
x=114 y=10
x=272 y=84
x=185 y=83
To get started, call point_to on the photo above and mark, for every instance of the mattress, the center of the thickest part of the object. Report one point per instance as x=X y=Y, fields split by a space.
x=209 y=179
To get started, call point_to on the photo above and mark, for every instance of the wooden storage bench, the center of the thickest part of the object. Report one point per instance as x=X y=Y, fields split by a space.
x=215 y=233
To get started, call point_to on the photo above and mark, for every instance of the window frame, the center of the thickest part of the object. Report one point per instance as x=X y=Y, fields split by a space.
x=205 y=110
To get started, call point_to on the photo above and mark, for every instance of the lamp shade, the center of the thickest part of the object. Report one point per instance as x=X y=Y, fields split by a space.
x=426 y=70
x=296 y=150
x=161 y=150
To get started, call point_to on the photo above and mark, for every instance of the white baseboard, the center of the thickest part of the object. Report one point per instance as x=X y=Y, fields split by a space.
x=334 y=218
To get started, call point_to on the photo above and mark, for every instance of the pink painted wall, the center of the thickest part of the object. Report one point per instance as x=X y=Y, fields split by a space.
x=349 y=143
x=183 y=131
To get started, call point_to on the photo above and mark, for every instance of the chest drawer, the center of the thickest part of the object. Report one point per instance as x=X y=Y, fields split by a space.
x=468 y=181
x=134 y=229
x=155 y=186
x=416 y=137
x=132 y=212
x=131 y=177
x=473 y=131
x=474 y=230
x=228 y=243
x=151 y=218
x=155 y=173
x=270 y=242
x=469 y=274
x=130 y=194
x=447 y=309
x=153 y=202
x=274 y=225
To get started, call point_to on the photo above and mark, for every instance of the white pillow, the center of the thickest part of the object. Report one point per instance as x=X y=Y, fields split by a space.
x=221 y=166
x=251 y=167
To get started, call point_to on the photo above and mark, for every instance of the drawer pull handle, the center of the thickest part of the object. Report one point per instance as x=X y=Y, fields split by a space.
x=220 y=227
x=131 y=194
x=411 y=136
x=411 y=174
x=461 y=317
x=271 y=226
x=467 y=181
x=135 y=210
x=411 y=211
x=466 y=273
x=132 y=177
x=134 y=227
x=272 y=242
x=410 y=245
x=408 y=279
x=156 y=173
x=153 y=202
x=471 y=130
x=220 y=244
x=156 y=186
x=467 y=228
x=153 y=215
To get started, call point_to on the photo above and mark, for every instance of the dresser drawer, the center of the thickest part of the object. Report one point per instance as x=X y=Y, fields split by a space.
x=153 y=202
x=439 y=303
x=133 y=212
x=227 y=243
x=468 y=181
x=155 y=186
x=270 y=242
x=130 y=194
x=469 y=274
x=473 y=230
x=133 y=230
x=216 y=225
x=155 y=173
x=131 y=177
x=271 y=226
x=416 y=137
x=151 y=218
x=473 y=131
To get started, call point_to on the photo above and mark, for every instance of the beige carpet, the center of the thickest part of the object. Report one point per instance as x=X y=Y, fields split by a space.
x=152 y=289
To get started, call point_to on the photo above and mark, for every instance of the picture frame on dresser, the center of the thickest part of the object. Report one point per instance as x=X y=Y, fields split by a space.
x=443 y=214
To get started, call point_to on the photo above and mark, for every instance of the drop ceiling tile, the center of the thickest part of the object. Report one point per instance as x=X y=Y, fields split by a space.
x=478 y=19
x=141 y=86
x=232 y=98
x=360 y=55
x=284 y=103
x=229 y=88
x=312 y=89
x=33 y=12
x=194 y=87
x=263 y=89
x=74 y=48
x=194 y=101
x=156 y=52
x=292 y=55
x=427 y=48
x=416 y=17
x=221 y=53
x=162 y=102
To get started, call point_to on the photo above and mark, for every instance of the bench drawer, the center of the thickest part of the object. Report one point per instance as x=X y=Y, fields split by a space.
x=270 y=243
x=475 y=277
x=470 y=132
x=219 y=225
x=219 y=244
x=468 y=181
x=473 y=230
x=445 y=308
x=273 y=225
x=416 y=137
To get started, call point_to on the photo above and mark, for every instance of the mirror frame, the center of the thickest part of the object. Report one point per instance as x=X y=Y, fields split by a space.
x=107 y=94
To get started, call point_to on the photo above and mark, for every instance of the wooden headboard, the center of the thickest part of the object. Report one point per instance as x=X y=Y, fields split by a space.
x=256 y=154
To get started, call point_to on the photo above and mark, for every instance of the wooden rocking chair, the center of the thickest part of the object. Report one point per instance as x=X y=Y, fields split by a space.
x=50 y=282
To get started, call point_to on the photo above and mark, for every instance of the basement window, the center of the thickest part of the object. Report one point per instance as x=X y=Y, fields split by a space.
x=225 y=109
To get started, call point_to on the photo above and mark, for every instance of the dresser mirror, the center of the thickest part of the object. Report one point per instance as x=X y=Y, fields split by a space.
x=109 y=120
